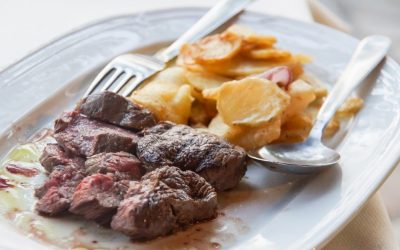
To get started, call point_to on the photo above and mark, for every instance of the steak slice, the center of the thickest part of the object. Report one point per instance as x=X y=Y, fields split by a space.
x=115 y=109
x=56 y=193
x=54 y=155
x=85 y=137
x=121 y=162
x=219 y=162
x=163 y=201
x=97 y=197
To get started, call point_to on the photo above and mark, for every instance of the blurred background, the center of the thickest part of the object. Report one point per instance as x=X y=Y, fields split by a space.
x=366 y=17
x=361 y=18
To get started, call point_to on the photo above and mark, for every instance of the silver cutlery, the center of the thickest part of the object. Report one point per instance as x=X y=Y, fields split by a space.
x=125 y=73
x=311 y=155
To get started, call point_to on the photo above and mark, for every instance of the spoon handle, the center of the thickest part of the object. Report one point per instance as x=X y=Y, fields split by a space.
x=369 y=52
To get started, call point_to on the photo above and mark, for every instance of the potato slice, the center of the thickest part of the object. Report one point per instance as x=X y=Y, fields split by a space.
x=211 y=94
x=295 y=129
x=246 y=137
x=211 y=49
x=209 y=105
x=255 y=137
x=173 y=77
x=187 y=54
x=332 y=127
x=240 y=67
x=269 y=54
x=218 y=127
x=240 y=30
x=167 y=94
x=350 y=107
x=251 y=102
x=301 y=95
x=217 y=48
x=319 y=88
x=168 y=104
x=251 y=38
x=205 y=80
x=186 y=58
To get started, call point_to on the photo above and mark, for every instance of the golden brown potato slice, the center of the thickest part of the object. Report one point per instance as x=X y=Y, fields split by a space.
x=240 y=67
x=301 y=95
x=218 y=48
x=244 y=136
x=332 y=127
x=211 y=49
x=211 y=94
x=218 y=127
x=251 y=102
x=174 y=77
x=209 y=105
x=319 y=88
x=205 y=80
x=295 y=129
x=251 y=39
x=168 y=104
x=269 y=54
x=350 y=107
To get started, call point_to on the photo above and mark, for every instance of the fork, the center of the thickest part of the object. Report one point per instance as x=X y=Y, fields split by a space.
x=126 y=72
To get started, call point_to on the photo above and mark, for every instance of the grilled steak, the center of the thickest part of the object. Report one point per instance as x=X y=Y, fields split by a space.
x=163 y=201
x=115 y=109
x=114 y=162
x=82 y=136
x=56 y=193
x=219 y=162
x=97 y=197
x=54 y=155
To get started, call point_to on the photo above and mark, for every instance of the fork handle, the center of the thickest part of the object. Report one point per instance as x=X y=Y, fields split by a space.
x=214 y=18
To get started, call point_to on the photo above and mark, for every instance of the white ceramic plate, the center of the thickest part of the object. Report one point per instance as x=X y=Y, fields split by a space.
x=268 y=210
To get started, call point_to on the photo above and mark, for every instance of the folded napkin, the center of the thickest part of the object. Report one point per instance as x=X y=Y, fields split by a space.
x=370 y=229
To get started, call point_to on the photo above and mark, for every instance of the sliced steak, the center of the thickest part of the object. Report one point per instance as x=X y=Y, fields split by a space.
x=85 y=137
x=97 y=197
x=219 y=162
x=165 y=200
x=115 y=162
x=56 y=193
x=115 y=109
x=54 y=155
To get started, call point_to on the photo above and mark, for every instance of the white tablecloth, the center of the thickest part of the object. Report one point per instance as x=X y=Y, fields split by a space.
x=25 y=25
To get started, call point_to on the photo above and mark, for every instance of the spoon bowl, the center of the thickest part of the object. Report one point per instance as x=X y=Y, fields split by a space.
x=301 y=158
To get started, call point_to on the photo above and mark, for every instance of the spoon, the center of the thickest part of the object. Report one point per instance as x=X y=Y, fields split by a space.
x=311 y=155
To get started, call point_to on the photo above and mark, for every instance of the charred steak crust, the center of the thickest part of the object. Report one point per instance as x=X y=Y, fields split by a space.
x=56 y=193
x=115 y=162
x=98 y=196
x=115 y=109
x=219 y=162
x=82 y=136
x=163 y=201
x=54 y=155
